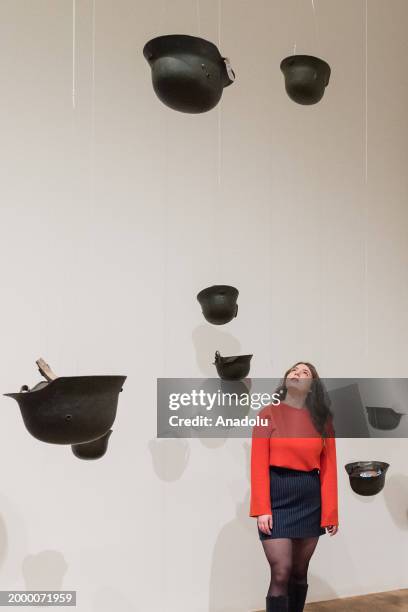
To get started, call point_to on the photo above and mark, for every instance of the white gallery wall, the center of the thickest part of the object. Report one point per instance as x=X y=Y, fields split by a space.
x=116 y=211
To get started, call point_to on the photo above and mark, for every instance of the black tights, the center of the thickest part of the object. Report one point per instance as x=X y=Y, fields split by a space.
x=289 y=561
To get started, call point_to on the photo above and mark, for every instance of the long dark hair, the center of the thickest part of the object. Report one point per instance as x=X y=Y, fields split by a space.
x=317 y=400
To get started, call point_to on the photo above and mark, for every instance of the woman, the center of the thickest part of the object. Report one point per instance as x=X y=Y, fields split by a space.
x=294 y=483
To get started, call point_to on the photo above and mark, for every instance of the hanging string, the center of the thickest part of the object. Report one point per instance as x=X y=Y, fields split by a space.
x=218 y=217
x=219 y=150
x=366 y=91
x=198 y=18
x=365 y=218
x=219 y=145
x=73 y=51
x=318 y=45
x=219 y=104
x=297 y=13
x=163 y=15
x=93 y=46
x=219 y=23
x=166 y=216
x=316 y=26
x=93 y=107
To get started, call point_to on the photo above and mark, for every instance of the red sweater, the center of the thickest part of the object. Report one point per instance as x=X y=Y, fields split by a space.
x=269 y=447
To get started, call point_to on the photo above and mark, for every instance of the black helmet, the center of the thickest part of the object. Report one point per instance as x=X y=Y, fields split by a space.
x=70 y=409
x=232 y=368
x=219 y=303
x=306 y=77
x=367 y=477
x=188 y=73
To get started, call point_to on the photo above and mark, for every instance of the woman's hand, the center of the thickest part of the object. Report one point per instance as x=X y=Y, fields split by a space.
x=332 y=529
x=265 y=523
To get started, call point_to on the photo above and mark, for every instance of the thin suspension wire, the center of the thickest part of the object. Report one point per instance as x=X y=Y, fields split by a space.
x=366 y=91
x=92 y=234
x=316 y=26
x=297 y=13
x=218 y=216
x=198 y=18
x=166 y=216
x=93 y=45
x=219 y=144
x=93 y=106
x=163 y=15
x=219 y=151
x=73 y=53
x=365 y=199
x=219 y=104
x=219 y=22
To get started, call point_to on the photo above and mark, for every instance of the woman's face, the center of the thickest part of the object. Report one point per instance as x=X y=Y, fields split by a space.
x=299 y=379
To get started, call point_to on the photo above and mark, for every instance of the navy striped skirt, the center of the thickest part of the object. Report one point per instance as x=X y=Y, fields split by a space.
x=295 y=502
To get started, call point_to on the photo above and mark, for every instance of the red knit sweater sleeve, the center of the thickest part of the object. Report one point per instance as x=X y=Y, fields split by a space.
x=328 y=480
x=260 y=485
